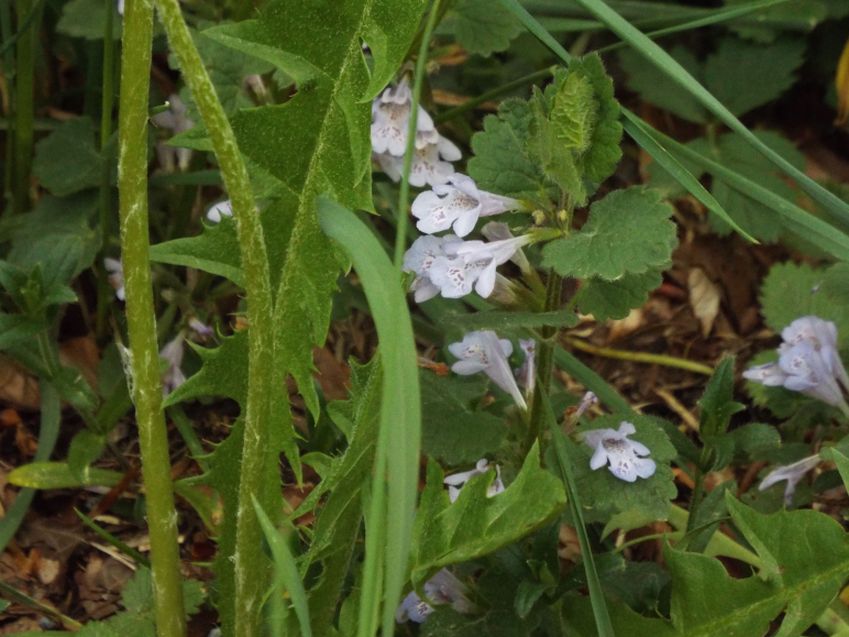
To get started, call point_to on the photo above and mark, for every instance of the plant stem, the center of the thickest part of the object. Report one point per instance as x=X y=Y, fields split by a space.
x=404 y=193
x=640 y=357
x=545 y=359
x=104 y=290
x=24 y=104
x=141 y=327
x=249 y=560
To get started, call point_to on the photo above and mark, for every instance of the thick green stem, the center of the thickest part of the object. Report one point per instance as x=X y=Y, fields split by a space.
x=104 y=290
x=404 y=194
x=24 y=103
x=141 y=322
x=249 y=561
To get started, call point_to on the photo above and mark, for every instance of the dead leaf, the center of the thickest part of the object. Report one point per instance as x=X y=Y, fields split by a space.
x=18 y=387
x=82 y=354
x=704 y=298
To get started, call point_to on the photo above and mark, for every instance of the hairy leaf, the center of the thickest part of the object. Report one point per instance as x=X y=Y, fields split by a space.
x=67 y=161
x=615 y=299
x=482 y=27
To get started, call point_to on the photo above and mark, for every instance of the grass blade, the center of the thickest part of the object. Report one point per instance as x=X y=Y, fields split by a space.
x=657 y=56
x=634 y=126
x=606 y=393
x=286 y=575
x=599 y=605
x=389 y=522
x=801 y=222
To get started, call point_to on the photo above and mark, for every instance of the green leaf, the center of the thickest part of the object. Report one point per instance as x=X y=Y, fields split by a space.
x=223 y=372
x=615 y=299
x=475 y=525
x=717 y=404
x=659 y=89
x=58 y=475
x=216 y=251
x=842 y=462
x=87 y=19
x=502 y=163
x=790 y=291
x=506 y=323
x=451 y=430
x=603 y=495
x=318 y=141
x=67 y=160
x=85 y=448
x=629 y=231
x=482 y=27
x=743 y=75
x=805 y=556
x=799 y=15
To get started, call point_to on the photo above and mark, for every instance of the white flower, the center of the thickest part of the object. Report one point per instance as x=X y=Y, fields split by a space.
x=121 y=7
x=390 y=113
x=459 y=203
x=792 y=473
x=203 y=330
x=808 y=362
x=484 y=352
x=431 y=163
x=442 y=588
x=175 y=120
x=255 y=83
x=218 y=211
x=419 y=258
x=497 y=231
x=623 y=455
x=115 y=270
x=456 y=481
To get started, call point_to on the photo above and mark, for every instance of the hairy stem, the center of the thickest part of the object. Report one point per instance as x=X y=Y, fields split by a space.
x=24 y=103
x=141 y=322
x=249 y=561
x=404 y=193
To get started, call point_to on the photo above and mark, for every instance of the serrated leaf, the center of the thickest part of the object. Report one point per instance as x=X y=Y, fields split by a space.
x=482 y=27
x=790 y=291
x=602 y=494
x=475 y=525
x=87 y=19
x=223 y=372
x=615 y=299
x=629 y=231
x=502 y=163
x=744 y=75
x=717 y=404
x=215 y=250
x=451 y=431
x=67 y=161
x=318 y=141
x=805 y=556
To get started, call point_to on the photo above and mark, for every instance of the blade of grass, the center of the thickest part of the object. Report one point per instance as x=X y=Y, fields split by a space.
x=391 y=510
x=634 y=127
x=286 y=575
x=606 y=393
x=561 y=448
x=657 y=56
x=48 y=433
x=105 y=535
x=827 y=237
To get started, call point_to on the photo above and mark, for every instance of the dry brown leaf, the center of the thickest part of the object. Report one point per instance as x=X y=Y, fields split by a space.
x=17 y=387
x=704 y=298
x=82 y=354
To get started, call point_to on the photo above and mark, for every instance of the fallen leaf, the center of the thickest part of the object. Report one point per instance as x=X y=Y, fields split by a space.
x=704 y=298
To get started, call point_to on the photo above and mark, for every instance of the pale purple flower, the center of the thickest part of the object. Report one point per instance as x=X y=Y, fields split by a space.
x=808 y=362
x=390 y=113
x=497 y=231
x=458 y=203
x=176 y=120
x=172 y=354
x=121 y=7
x=471 y=265
x=419 y=259
x=624 y=458
x=456 y=481
x=431 y=163
x=442 y=588
x=203 y=330
x=484 y=352
x=792 y=473
x=219 y=210
x=588 y=400
x=255 y=83
x=115 y=270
